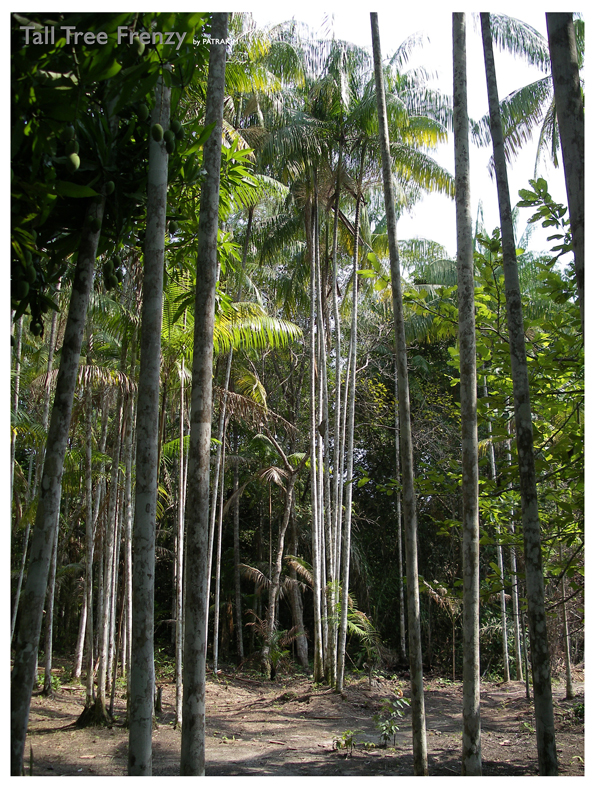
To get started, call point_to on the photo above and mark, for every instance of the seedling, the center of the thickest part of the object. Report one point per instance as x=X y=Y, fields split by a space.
x=347 y=741
x=387 y=721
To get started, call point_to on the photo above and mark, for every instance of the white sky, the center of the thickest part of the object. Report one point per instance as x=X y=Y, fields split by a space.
x=434 y=217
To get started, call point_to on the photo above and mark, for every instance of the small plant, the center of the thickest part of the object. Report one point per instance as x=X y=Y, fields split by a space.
x=387 y=720
x=578 y=711
x=347 y=742
x=527 y=727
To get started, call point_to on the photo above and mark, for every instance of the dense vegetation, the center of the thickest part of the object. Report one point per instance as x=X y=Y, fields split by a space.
x=304 y=454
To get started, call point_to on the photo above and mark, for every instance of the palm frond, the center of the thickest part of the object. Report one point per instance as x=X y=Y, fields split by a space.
x=302 y=568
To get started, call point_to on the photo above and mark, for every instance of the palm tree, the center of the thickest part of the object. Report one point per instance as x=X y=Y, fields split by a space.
x=471 y=751
x=409 y=498
x=524 y=438
x=198 y=485
x=532 y=106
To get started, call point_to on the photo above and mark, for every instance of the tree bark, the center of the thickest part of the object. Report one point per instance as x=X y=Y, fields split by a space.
x=570 y=118
x=46 y=522
x=180 y=553
x=471 y=747
x=351 y=411
x=407 y=468
x=237 y=560
x=141 y=703
x=402 y=616
x=198 y=484
x=533 y=557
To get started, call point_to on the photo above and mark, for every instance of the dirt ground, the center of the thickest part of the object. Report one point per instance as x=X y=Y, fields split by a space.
x=288 y=727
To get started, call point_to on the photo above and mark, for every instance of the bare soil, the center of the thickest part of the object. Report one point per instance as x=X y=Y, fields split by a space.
x=289 y=727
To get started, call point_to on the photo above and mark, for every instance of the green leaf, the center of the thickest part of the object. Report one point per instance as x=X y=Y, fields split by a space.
x=68 y=189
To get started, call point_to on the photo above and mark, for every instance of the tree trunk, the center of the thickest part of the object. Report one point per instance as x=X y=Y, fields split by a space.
x=514 y=581
x=46 y=522
x=49 y=617
x=566 y=633
x=78 y=657
x=570 y=117
x=179 y=558
x=219 y=552
x=89 y=549
x=471 y=748
x=297 y=609
x=128 y=536
x=402 y=616
x=407 y=469
x=198 y=484
x=541 y=667
x=504 y=633
x=314 y=479
x=141 y=706
x=351 y=410
x=106 y=624
x=237 y=561
x=15 y=408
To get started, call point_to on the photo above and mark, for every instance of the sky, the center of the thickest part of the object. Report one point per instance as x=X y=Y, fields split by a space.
x=434 y=216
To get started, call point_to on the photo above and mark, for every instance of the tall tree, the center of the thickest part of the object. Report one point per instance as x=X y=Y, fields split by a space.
x=141 y=703
x=471 y=751
x=533 y=556
x=570 y=117
x=407 y=466
x=46 y=522
x=197 y=509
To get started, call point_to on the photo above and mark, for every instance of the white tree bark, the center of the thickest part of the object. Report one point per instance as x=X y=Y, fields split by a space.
x=471 y=746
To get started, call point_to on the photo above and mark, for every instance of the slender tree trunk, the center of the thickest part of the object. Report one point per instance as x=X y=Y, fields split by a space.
x=297 y=609
x=237 y=560
x=504 y=633
x=128 y=529
x=402 y=604
x=541 y=666
x=78 y=657
x=337 y=494
x=351 y=372
x=25 y=665
x=314 y=487
x=15 y=609
x=179 y=558
x=15 y=407
x=219 y=551
x=273 y=590
x=198 y=485
x=407 y=469
x=471 y=748
x=89 y=550
x=141 y=703
x=106 y=627
x=514 y=582
x=50 y=597
x=566 y=633
x=570 y=117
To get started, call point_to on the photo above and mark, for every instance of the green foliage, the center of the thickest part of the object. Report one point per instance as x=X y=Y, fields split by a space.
x=387 y=720
x=346 y=742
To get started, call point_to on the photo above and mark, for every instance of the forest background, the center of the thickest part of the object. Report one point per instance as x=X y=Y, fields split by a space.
x=405 y=231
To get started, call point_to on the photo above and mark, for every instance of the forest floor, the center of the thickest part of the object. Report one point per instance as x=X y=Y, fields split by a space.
x=289 y=727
